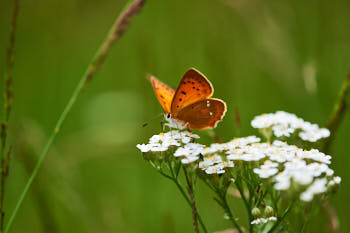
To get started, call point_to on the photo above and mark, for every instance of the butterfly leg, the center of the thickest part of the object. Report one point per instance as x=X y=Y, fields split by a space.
x=162 y=125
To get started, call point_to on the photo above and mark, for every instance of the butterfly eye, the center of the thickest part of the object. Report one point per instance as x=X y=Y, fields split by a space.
x=168 y=116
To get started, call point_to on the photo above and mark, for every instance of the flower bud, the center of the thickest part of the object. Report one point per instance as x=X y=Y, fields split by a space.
x=256 y=212
x=266 y=132
x=269 y=212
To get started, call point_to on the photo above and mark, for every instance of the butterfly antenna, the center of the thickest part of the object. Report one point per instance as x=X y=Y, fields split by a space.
x=156 y=117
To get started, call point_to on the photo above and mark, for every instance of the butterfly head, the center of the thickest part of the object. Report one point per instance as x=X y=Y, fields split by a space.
x=173 y=123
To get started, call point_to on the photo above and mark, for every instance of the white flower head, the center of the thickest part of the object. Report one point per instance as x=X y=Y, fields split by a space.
x=265 y=171
x=317 y=187
x=282 y=181
x=264 y=220
x=215 y=169
x=143 y=147
x=282 y=130
x=285 y=124
x=209 y=160
x=336 y=180
x=190 y=152
x=317 y=168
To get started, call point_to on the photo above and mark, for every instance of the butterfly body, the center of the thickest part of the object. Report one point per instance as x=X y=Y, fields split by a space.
x=191 y=103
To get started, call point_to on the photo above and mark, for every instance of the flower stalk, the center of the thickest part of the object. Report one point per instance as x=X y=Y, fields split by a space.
x=338 y=113
x=173 y=176
x=282 y=217
x=116 y=31
x=5 y=157
x=222 y=201
x=193 y=201
x=247 y=203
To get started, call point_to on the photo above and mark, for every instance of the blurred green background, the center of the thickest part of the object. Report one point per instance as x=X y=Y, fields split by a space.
x=260 y=55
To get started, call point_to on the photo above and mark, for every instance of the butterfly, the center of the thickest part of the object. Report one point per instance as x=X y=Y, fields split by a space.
x=191 y=103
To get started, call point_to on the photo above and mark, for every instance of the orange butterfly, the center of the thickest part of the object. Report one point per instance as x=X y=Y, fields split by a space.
x=190 y=104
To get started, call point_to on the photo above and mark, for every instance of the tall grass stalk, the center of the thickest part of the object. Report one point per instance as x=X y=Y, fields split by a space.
x=8 y=98
x=116 y=31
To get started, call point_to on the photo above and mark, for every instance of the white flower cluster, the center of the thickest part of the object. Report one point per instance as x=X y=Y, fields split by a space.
x=190 y=152
x=162 y=141
x=285 y=124
x=213 y=162
x=264 y=220
x=282 y=164
x=285 y=164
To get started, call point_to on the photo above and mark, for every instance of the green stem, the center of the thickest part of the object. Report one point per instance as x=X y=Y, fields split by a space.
x=246 y=203
x=226 y=207
x=193 y=201
x=8 y=77
x=179 y=186
x=114 y=34
x=222 y=201
x=333 y=124
x=338 y=113
x=174 y=178
x=281 y=218
x=307 y=219
x=8 y=99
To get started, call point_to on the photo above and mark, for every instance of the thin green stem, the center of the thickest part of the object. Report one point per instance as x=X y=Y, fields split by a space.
x=8 y=77
x=222 y=201
x=333 y=124
x=228 y=211
x=261 y=198
x=179 y=186
x=308 y=214
x=246 y=203
x=114 y=34
x=193 y=201
x=281 y=218
x=237 y=122
x=8 y=99
x=174 y=177
x=338 y=113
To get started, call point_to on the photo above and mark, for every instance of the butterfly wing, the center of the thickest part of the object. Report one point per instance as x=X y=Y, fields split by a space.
x=203 y=114
x=163 y=93
x=193 y=87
